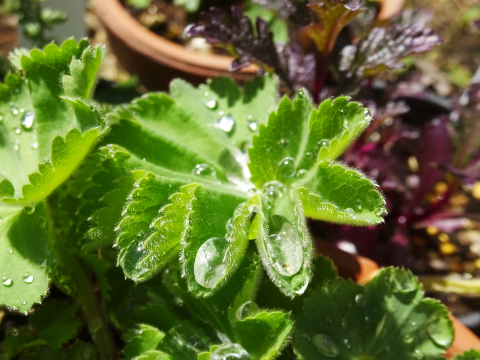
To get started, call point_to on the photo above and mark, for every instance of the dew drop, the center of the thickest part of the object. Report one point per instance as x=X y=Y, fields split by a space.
x=301 y=173
x=230 y=352
x=380 y=211
x=16 y=145
x=408 y=339
x=27 y=278
x=18 y=131
x=14 y=110
x=34 y=145
x=204 y=170
x=226 y=123
x=322 y=143
x=248 y=309
x=325 y=345
x=7 y=281
x=284 y=247
x=347 y=343
x=10 y=251
x=23 y=302
x=29 y=210
x=274 y=190
x=360 y=300
x=286 y=167
x=209 y=266
x=283 y=143
x=27 y=121
x=211 y=104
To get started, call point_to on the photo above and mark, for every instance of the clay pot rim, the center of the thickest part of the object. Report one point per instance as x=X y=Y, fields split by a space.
x=367 y=269
x=118 y=21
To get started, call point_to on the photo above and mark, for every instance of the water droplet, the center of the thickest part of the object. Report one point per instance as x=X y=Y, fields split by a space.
x=380 y=211
x=46 y=159
x=23 y=302
x=226 y=123
x=350 y=212
x=322 y=143
x=34 y=145
x=14 y=110
x=27 y=278
x=252 y=124
x=11 y=331
x=16 y=145
x=230 y=352
x=344 y=324
x=284 y=247
x=360 y=300
x=286 y=167
x=29 y=209
x=206 y=93
x=325 y=345
x=274 y=190
x=283 y=143
x=346 y=124
x=301 y=173
x=359 y=204
x=408 y=339
x=7 y=281
x=367 y=114
x=204 y=170
x=247 y=310
x=347 y=343
x=211 y=104
x=10 y=251
x=27 y=120
x=209 y=265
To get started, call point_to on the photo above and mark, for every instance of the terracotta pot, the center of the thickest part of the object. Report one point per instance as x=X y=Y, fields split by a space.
x=155 y=60
x=363 y=270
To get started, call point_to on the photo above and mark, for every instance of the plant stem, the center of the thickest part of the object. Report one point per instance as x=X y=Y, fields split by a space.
x=84 y=293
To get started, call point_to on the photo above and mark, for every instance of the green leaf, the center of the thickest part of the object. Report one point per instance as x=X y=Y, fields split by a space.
x=187 y=340
x=388 y=319
x=24 y=256
x=157 y=129
x=52 y=316
x=154 y=355
x=23 y=341
x=190 y=5
x=468 y=355
x=284 y=244
x=265 y=334
x=6 y=189
x=279 y=146
x=341 y=195
x=140 y=4
x=221 y=100
x=66 y=156
x=333 y=15
x=88 y=116
x=148 y=241
x=333 y=127
x=142 y=339
x=212 y=247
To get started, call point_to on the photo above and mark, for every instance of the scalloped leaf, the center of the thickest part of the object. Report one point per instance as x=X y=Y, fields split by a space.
x=284 y=244
x=265 y=334
x=388 y=319
x=67 y=155
x=52 y=316
x=212 y=247
x=222 y=98
x=283 y=139
x=24 y=256
x=468 y=355
x=141 y=340
x=341 y=195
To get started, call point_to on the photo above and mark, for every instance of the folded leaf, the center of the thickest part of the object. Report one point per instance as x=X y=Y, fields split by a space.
x=24 y=256
x=388 y=319
x=341 y=195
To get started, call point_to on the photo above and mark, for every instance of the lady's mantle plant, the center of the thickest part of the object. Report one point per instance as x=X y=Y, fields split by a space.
x=204 y=186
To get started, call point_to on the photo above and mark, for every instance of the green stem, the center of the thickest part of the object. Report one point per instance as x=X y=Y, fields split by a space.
x=84 y=293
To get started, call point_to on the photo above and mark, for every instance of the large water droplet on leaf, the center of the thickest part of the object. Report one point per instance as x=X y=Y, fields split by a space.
x=325 y=345
x=301 y=173
x=360 y=300
x=204 y=170
x=27 y=278
x=209 y=267
x=286 y=167
x=27 y=120
x=247 y=310
x=227 y=124
x=322 y=143
x=274 y=190
x=284 y=246
x=230 y=352
x=6 y=281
